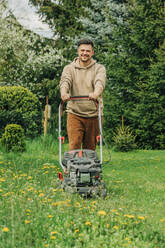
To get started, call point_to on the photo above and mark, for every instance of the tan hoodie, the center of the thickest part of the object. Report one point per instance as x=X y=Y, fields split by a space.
x=80 y=81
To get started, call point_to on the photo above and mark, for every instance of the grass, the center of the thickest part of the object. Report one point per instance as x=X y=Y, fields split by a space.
x=35 y=213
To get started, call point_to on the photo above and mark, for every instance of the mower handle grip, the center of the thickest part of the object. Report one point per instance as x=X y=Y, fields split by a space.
x=79 y=98
x=76 y=98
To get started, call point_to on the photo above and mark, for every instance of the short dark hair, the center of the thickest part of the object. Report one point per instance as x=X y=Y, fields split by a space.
x=86 y=42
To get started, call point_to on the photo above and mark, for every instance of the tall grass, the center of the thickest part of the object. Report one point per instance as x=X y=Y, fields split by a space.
x=36 y=213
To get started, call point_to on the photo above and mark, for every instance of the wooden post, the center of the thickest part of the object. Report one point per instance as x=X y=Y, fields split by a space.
x=46 y=118
x=122 y=121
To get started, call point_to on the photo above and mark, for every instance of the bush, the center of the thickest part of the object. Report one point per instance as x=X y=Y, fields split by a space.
x=13 y=138
x=20 y=106
x=124 y=140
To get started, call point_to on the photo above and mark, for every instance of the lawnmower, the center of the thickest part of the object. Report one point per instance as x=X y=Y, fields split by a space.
x=82 y=168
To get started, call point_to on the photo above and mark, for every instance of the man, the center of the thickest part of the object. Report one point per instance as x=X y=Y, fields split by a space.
x=83 y=77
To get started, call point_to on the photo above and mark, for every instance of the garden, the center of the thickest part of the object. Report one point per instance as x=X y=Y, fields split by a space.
x=36 y=212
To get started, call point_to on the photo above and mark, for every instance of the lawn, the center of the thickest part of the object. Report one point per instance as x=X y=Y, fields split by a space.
x=35 y=213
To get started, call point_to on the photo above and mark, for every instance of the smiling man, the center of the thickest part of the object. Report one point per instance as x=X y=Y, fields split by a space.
x=83 y=77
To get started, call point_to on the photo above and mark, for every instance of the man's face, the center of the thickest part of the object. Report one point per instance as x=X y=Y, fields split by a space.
x=85 y=52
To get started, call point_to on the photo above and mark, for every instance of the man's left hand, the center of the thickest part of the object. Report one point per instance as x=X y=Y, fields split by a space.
x=93 y=96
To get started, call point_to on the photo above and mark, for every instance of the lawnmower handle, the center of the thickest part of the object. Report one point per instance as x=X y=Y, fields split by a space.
x=79 y=98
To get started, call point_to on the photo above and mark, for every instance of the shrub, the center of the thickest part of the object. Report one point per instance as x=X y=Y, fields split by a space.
x=20 y=106
x=13 y=138
x=123 y=139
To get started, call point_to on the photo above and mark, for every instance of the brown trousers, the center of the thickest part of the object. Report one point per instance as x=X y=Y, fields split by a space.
x=82 y=132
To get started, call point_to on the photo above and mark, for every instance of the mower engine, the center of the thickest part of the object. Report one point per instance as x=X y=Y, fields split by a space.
x=83 y=173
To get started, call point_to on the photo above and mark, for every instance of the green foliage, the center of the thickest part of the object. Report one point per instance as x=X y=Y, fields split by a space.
x=135 y=72
x=13 y=138
x=123 y=139
x=63 y=17
x=150 y=110
x=20 y=106
x=28 y=60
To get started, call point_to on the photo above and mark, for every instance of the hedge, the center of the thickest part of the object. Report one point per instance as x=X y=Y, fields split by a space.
x=20 y=106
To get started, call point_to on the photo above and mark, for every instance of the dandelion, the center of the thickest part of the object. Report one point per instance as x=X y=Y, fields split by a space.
x=107 y=225
x=41 y=194
x=28 y=210
x=129 y=216
x=77 y=230
x=2 y=179
x=116 y=227
x=114 y=210
x=5 y=229
x=77 y=204
x=27 y=221
x=88 y=223
x=53 y=233
x=102 y=213
x=53 y=237
x=141 y=217
x=50 y=216
x=162 y=220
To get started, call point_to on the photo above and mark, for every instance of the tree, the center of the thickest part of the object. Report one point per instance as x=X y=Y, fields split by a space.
x=150 y=111
x=63 y=17
x=28 y=60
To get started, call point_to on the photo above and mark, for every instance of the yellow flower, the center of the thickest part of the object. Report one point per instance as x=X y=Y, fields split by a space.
x=5 y=229
x=77 y=204
x=116 y=227
x=54 y=232
x=162 y=220
x=27 y=221
x=129 y=216
x=53 y=237
x=102 y=213
x=76 y=231
x=107 y=225
x=2 y=179
x=41 y=194
x=88 y=223
x=28 y=210
x=141 y=217
x=50 y=216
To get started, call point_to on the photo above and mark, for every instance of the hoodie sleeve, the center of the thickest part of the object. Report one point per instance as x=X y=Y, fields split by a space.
x=100 y=78
x=66 y=79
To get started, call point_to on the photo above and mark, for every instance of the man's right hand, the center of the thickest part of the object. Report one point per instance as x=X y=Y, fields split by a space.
x=65 y=96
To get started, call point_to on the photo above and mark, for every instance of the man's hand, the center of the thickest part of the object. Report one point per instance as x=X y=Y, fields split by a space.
x=93 y=96
x=65 y=96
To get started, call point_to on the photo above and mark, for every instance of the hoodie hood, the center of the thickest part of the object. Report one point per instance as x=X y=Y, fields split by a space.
x=76 y=64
